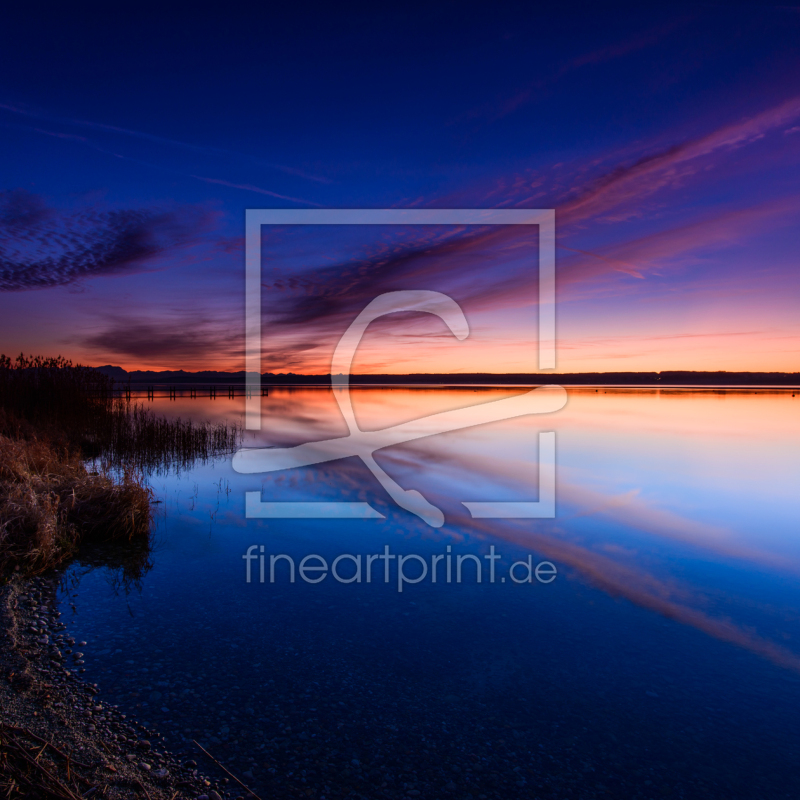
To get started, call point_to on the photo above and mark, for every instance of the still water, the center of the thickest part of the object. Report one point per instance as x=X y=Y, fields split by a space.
x=662 y=661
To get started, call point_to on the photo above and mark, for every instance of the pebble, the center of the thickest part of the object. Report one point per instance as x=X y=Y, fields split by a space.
x=74 y=704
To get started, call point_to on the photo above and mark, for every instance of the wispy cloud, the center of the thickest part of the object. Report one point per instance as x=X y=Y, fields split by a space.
x=156 y=139
x=640 y=41
x=42 y=247
x=250 y=188
x=188 y=337
x=320 y=300
x=640 y=256
x=628 y=184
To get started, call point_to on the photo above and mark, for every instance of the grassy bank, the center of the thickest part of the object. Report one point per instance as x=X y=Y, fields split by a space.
x=55 y=419
x=50 y=504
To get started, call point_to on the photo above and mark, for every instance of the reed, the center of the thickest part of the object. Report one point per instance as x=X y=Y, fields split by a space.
x=50 y=504
x=134 y=437
x=49 y=397
x=75 y=454
x=80 y=409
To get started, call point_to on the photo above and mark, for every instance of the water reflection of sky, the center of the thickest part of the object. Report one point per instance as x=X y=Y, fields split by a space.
x=666 y=497
x=675 y=538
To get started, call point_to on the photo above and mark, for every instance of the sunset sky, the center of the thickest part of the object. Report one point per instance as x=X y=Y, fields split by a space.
x=668 y=141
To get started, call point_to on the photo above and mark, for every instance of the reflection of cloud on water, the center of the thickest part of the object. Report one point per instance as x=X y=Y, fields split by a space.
x=649 y=592
x=452 y=468
x=484 y=477
x=671 y=599
x=607 y=571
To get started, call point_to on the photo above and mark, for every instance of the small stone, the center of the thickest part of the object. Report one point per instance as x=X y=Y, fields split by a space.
x=212 y=795
x=145 y=766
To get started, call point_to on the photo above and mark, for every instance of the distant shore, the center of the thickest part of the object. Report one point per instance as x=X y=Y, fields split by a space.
x=675 y=379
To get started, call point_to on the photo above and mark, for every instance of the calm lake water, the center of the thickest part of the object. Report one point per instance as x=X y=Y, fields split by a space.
x=662 y=661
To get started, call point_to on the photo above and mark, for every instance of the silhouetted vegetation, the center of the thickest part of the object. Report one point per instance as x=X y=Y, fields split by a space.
x=49 y=398
x=138 y=438
x=74 y=456
x=80 y=409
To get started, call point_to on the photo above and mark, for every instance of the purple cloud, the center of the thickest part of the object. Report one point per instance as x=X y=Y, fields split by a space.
x=42 y=247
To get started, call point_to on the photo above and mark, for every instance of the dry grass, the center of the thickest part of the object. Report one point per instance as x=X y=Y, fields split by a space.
x=81 y=409
x=54 y=414
x=135 y=437
x=50 y=504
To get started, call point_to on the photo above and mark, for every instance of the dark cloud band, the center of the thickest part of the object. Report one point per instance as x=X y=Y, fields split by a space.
x=42 y=247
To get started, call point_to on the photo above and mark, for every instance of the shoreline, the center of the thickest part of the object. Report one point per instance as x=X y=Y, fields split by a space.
x=56 y=737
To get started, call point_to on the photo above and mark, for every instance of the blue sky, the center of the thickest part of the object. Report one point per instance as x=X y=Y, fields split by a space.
x=667 y=140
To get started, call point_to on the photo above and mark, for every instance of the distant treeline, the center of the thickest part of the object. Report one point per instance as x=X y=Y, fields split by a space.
x=672 y=378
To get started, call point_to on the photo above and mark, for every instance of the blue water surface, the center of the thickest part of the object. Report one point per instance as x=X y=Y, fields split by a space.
x=662 y=661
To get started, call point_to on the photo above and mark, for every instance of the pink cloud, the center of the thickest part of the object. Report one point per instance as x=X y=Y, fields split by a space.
x=655 y=172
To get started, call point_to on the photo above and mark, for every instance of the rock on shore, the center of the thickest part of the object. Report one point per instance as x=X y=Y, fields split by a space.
x=55 y=735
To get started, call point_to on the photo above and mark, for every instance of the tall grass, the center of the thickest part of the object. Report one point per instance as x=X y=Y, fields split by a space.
x=50 y=504
x=55 y=419
x=134 y=437
x=82 y=410
x=51 y=398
